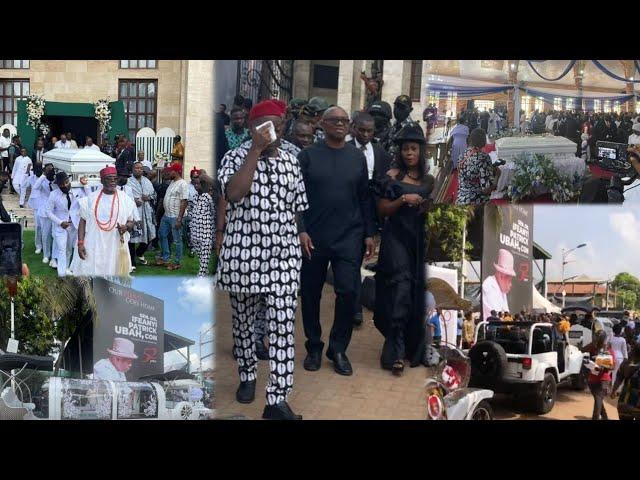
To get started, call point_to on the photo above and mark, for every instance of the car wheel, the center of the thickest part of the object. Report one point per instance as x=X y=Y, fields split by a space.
x=545 y=397
x=488 y=363
x=483 y=411
x=578 y=382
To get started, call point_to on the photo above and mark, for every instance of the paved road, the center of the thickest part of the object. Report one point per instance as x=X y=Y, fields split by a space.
x=570 y=405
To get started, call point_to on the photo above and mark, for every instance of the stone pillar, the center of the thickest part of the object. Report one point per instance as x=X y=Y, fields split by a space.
x=301 y=78
x=578 y=75
x=629 y=69
x=394 y=79
x=513 y=96
x=199 y=108
x=350 y=86
x=631 y=104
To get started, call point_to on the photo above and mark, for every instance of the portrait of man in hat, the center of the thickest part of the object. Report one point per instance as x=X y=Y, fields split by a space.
x=119 y=361
x=496 y=287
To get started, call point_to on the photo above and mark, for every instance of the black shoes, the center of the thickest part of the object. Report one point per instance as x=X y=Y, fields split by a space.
x=280 y=411
x=246 y=392
x=262 y=352
x=341 y=364
x=357 y=318
x=313 y=360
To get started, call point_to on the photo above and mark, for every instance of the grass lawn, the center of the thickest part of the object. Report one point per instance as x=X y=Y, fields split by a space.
x=190 y=265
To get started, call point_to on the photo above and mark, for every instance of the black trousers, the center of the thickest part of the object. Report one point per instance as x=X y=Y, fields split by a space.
x=599 y=392
x=346 y=279
x=137 y=250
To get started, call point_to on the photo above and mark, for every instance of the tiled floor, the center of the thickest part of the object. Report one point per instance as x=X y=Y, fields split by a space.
x=371 y=393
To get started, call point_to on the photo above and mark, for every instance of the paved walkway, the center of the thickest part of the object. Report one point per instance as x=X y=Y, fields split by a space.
x=371 y=393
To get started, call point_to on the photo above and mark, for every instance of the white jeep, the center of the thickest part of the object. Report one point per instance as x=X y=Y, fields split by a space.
x=526 y=359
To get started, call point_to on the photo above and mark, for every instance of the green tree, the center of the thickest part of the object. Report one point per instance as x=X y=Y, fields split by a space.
x=627 y=287
x=445 y=224
x=34 y=328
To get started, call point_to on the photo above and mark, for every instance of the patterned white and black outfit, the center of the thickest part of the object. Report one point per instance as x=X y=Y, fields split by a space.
x=202 y=221
x=260 y=261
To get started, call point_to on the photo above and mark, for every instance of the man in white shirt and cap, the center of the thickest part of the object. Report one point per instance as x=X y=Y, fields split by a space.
x=89 y=145
x=496 y=287
x=121 y=357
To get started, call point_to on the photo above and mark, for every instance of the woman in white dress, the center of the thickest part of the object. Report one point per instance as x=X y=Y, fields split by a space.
x=620 y=350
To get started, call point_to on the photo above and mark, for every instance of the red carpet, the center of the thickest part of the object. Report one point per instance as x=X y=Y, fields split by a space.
x=599 y=172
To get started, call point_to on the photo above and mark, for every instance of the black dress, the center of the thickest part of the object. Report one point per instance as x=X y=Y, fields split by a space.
x=400 y=282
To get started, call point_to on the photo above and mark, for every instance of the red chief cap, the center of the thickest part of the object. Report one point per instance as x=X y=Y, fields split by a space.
x=175 y=167
x=108 y=171
x=266 y=108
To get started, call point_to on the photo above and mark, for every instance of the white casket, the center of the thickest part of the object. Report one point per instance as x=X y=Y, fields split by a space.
x=508 y=148
x=78 y=163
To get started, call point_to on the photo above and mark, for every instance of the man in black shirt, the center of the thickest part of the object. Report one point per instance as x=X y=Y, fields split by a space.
x=337 y=229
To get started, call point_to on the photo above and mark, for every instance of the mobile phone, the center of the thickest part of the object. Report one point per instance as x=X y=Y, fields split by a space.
x=272 y=130
x=10 y=249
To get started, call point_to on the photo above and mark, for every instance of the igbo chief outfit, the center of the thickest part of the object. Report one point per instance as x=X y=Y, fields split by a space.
x=102 y=213
x=261 y=258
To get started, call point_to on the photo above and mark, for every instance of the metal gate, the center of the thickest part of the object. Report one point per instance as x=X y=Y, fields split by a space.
x=263 y=79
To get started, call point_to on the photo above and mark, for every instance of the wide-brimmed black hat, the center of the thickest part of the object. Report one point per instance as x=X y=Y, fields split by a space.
x=410 y=133
x=61 y=177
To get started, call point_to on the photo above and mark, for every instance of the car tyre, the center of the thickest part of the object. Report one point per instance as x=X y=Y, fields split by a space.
x=488 y=363
x=545 y=396
x=483 y=411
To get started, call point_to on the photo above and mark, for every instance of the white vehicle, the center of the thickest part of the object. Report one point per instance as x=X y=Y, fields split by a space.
x=527 y=359
x=449 y=398
x=580 y=336
x=58 y=398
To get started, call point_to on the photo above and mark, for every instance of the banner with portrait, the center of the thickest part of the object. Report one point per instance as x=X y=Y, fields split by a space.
x=128 y=334
x=507 y=256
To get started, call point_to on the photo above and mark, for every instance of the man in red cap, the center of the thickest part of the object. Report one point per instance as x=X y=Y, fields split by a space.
x=260 y=258
x=106 y=218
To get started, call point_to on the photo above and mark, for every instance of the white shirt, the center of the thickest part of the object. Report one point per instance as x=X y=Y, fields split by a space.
x=493 y=298
x=619 y=347
x=634 y=139
x=39 y=155
x=19 y=172
x=92 y=147
x=368 y=152
x=57 y=209
x=104 y=370
x=103 y=246
x=66 y=144
x=178 y=190
x=42 y=188
x=4 y=143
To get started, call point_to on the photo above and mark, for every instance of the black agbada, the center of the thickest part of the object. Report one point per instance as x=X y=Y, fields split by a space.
x=340 y=215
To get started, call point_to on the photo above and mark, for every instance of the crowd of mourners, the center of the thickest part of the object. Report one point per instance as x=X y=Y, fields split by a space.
x=170 y=210
x=305 y=185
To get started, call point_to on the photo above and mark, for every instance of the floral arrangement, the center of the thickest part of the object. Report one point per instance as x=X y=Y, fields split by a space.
x=161 y=158
x=535 y=173
x=44 y=129
x=35 y=110
x=103 y=115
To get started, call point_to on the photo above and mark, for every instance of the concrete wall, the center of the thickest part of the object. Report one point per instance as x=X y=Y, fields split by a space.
x=331 y=95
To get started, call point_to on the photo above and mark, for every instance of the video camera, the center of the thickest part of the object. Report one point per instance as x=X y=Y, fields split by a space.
x=612 y=157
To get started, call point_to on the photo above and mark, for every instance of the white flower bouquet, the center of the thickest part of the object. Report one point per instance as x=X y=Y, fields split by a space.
x=161 y=159
x=103 y=115
x=35 y=110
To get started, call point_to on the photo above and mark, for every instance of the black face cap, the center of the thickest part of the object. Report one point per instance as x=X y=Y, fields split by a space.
x=380 y=108
x=403 y=100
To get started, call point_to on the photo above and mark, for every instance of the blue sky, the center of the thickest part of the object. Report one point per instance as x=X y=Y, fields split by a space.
x=188 y=309
x=612 y=235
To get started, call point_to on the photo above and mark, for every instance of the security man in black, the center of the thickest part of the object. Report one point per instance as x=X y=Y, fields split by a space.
x=337 y=229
